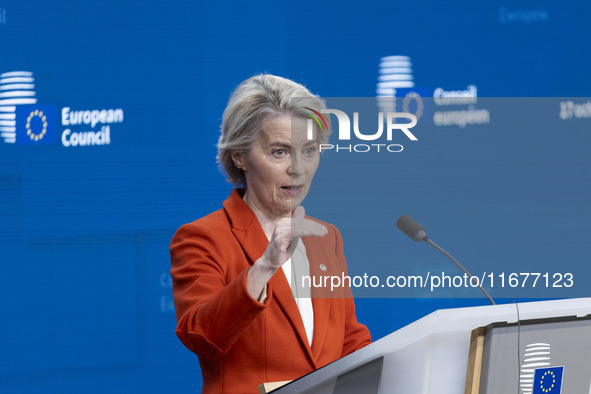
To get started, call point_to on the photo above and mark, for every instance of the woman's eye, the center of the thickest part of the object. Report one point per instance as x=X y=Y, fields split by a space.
x=310 y=150
x=279 y=152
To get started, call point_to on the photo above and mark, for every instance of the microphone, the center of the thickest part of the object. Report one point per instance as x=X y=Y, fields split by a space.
x=417 y=233
x=411 y=228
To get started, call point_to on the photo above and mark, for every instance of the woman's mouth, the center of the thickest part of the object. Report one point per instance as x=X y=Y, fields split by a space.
x=292 y=190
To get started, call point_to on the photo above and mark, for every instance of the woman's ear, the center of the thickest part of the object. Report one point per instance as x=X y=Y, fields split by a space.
x=238 y=159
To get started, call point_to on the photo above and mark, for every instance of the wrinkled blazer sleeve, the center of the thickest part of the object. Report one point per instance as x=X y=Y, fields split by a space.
x=212 y=310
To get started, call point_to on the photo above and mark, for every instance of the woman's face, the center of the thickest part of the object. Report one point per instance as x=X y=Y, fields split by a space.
x=280 y=166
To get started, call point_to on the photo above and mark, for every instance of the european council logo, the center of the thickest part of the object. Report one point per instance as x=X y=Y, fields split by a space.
x=22 y=121
x=548 y=380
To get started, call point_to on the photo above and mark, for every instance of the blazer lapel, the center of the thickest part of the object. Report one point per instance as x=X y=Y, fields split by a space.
x=245 y=226
x=317 y=256
x=285 y=300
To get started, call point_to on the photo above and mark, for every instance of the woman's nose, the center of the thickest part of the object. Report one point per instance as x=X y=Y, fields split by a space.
x=296 y=166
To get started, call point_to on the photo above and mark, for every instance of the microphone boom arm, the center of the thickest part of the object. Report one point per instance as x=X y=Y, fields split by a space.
x=430 y=242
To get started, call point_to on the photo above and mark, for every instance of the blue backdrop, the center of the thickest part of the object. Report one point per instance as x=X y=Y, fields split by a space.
x=125 y=99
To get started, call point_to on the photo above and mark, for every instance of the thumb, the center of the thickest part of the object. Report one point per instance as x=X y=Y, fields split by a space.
x=299 y=213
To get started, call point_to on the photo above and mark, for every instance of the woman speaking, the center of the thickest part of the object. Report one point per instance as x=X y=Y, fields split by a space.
x=234 y=271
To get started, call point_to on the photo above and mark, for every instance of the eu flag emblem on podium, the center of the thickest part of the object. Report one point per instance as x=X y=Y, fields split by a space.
x=35 y=124
x=548 y=380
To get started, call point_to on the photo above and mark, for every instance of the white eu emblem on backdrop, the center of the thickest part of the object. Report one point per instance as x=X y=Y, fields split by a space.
x=16 y=88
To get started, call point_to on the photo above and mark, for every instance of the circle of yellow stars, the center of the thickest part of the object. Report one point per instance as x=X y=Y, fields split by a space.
x=550 y=375
x=420 y=105
x=32 y=135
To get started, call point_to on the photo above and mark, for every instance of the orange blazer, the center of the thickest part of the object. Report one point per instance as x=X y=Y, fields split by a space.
x=239 y=341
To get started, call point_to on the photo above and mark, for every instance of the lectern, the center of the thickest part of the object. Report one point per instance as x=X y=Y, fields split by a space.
x=526 y=348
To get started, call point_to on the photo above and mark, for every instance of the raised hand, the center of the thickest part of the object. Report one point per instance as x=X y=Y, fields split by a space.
x=285 y=236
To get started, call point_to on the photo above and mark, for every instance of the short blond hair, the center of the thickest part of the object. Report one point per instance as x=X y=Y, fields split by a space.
x=256 y=100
